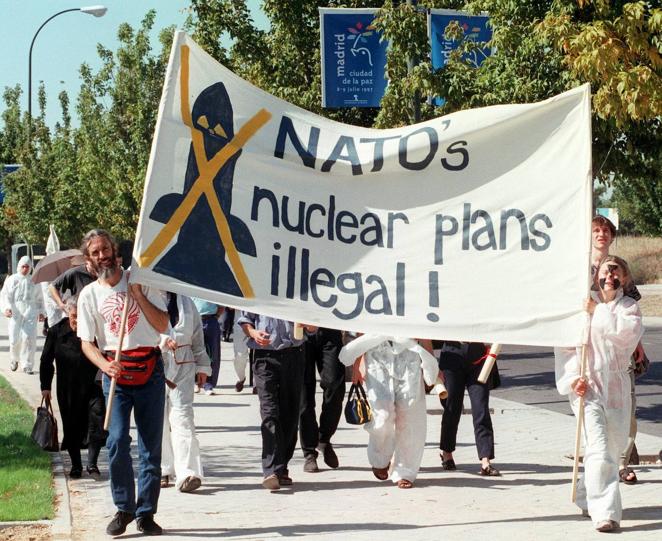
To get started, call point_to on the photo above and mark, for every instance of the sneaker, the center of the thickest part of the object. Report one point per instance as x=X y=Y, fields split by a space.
x=271 y=482
x=76 y=472
x=118 y=525
x=190 y=484
x=147 y=525
x=196 y=388
x=13 y=365
x=209 y=391
x=239 y=386
x=28 y=371
x=310 y=464
x=94 y=472
x=330 y=456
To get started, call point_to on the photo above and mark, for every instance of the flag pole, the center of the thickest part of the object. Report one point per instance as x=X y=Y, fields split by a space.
x=118 y=353
x=578 y=432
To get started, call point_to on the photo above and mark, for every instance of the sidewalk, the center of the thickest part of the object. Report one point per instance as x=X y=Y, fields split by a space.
x=530 y=501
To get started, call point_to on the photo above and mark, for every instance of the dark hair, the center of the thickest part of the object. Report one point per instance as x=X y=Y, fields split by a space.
x=605 y=222
x=93 y=234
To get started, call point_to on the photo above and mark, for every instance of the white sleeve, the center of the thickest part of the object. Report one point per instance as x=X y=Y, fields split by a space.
x=622 y=326
x=6 y=296
x=39 y=300
x=86 y=321
x=156 y=297
x=566 y=364
x=4 y=300
x=202 y=360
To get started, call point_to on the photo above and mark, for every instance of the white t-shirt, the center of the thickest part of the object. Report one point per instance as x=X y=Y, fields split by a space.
x=100 y=316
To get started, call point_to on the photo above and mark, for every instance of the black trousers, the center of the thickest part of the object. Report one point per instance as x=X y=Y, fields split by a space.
x=321 y=351
x=461 y=374
x=227 y=321
x=278 y=377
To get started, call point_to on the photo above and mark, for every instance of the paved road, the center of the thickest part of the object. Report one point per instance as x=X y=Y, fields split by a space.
x=527 y=375
x=530 y=501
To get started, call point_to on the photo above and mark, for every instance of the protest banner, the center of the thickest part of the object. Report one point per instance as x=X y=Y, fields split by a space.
x=353 y=58
x=474 y=226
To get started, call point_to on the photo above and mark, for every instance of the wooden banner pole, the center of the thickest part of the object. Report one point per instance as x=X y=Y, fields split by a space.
x=578 y=432
x=118 y=353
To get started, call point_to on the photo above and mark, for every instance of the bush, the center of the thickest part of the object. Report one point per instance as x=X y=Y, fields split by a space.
x=644 y=255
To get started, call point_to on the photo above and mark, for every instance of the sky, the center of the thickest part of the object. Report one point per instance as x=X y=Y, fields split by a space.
x=68 y=40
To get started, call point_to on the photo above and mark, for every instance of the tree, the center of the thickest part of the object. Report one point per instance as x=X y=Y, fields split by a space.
x=617 y=47
x=542 y=47
x=91 y=176
x=118 y=107
x=283 y=60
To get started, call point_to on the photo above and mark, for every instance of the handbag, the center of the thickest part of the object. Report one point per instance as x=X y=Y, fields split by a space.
x=357 y=409
x=137 y=364
x=44 y=431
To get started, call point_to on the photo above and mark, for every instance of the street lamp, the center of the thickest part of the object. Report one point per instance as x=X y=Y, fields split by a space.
x=97 y=11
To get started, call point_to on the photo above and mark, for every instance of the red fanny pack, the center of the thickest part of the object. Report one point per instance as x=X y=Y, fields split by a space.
x=137 y=364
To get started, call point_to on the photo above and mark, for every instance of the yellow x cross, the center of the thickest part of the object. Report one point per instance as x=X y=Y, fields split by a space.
x=207 y=170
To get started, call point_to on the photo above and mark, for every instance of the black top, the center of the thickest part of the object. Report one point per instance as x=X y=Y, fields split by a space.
x=73 y=280
x=63 y=346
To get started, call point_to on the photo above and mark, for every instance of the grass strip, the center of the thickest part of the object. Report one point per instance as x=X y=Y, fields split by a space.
x=26 y=480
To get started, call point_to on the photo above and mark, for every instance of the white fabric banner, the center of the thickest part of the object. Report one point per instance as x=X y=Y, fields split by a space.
x=474 y=226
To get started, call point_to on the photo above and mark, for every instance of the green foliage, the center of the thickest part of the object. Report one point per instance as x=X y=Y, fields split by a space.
x=93 y=175
x=26 y=490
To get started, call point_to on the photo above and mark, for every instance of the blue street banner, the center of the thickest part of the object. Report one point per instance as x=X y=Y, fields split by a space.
x=6 y=170
x=476 y=28
x=353 y=58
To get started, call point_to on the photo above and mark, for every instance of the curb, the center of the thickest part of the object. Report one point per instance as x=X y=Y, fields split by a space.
x=652 y=321
x=61 y=523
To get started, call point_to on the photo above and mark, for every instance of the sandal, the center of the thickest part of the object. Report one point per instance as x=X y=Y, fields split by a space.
x=381 y=473
x=405 y=483
x=489 y=471
x=448 y=465
x=165 y=481
x=628 y=476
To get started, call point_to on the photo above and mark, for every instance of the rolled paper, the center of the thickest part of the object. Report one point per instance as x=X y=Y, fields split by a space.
x=298 y=331
x=489 y=363
x=440 y=389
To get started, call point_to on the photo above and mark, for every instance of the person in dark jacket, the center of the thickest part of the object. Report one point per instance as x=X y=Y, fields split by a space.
x=79 y=395
x=461 y=363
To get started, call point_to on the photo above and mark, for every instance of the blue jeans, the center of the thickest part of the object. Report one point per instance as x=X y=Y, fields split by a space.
x=147 y=402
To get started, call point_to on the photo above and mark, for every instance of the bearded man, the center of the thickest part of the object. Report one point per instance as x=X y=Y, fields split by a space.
x=139 y=374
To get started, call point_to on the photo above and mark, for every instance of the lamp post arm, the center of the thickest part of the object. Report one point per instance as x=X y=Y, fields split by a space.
x=30 y=57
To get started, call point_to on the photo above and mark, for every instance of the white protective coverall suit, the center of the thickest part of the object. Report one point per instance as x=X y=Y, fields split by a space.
x=24 y=299
x=616 y=329
x=180 y=450
x=241 y=354
x=395 y=390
